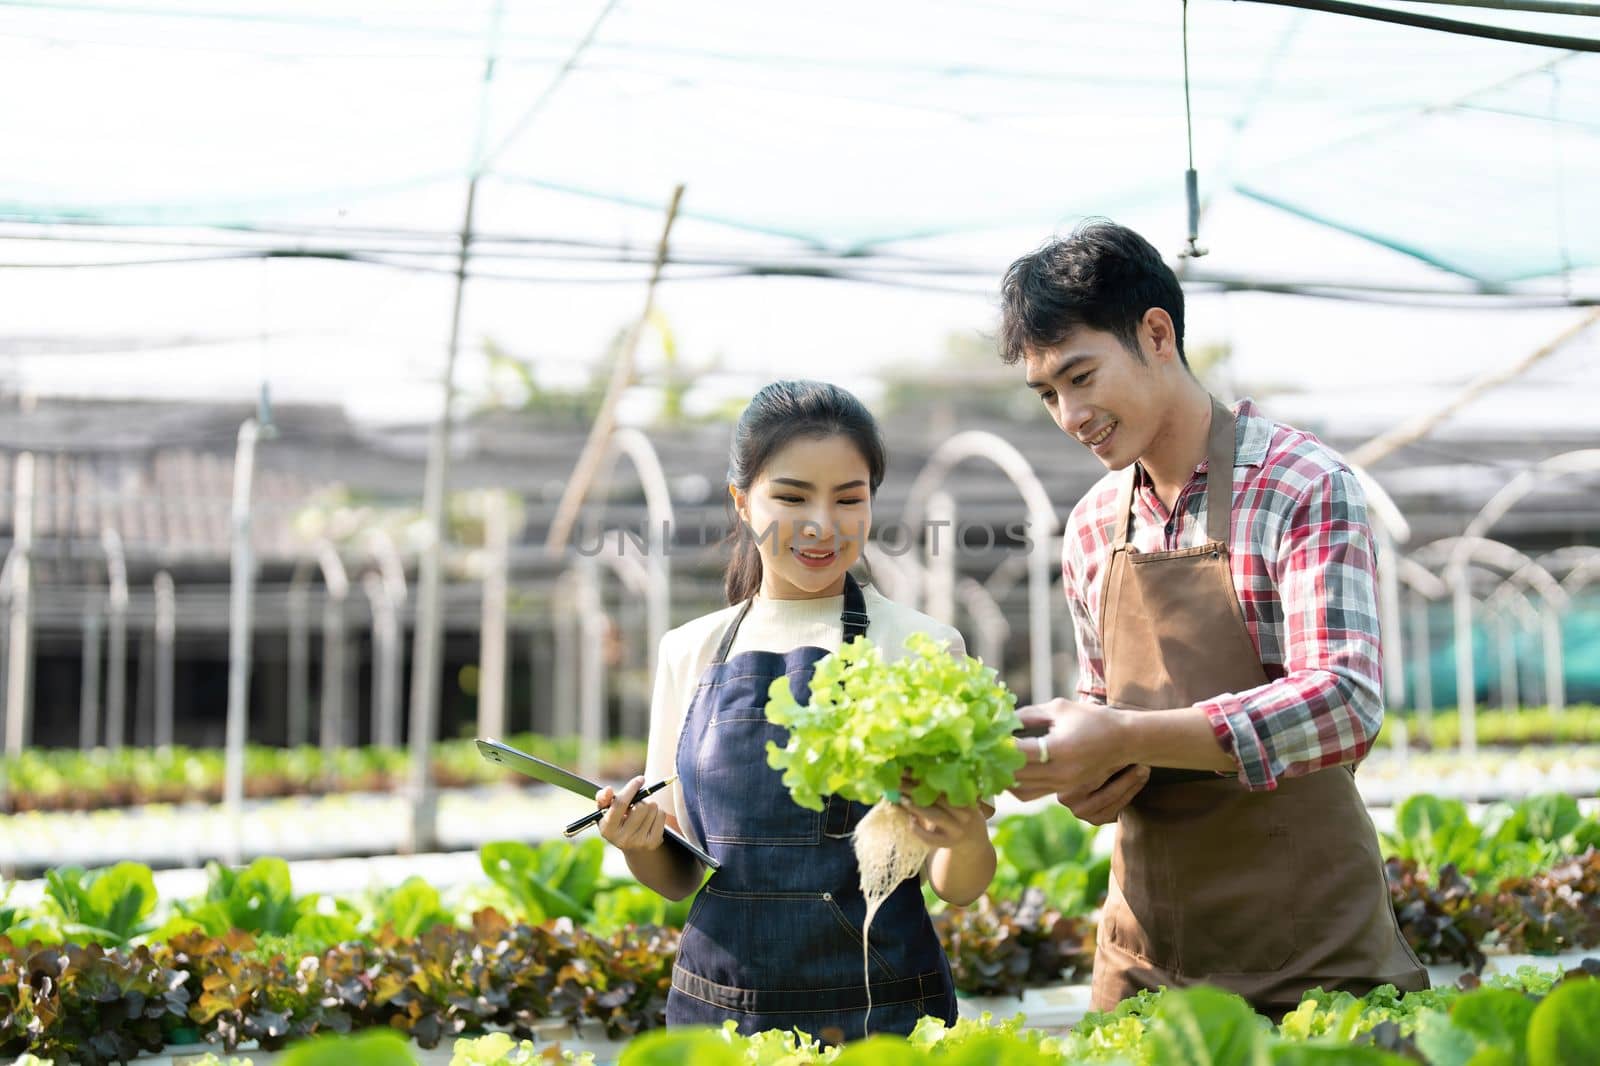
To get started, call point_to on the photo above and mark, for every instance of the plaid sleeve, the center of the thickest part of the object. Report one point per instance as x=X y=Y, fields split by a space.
x=1086 y=635
x=1327 y=708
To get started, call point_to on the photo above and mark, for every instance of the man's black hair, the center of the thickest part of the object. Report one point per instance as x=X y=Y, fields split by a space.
x=1104 y=276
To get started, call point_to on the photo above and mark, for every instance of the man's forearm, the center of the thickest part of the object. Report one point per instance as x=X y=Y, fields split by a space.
x=1182 y=738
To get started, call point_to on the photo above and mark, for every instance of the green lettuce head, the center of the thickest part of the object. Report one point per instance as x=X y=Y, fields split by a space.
x=945 y=722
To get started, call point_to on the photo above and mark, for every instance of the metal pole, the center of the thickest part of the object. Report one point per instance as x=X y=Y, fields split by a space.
x=564 y=717
x=239 y=622
x=386 y=730
x=1389 y=629
x=591 y=668
x=1041 y=647
x=428 y=655
x=116 y=639
x=1507 y=635
x=538 y=670
x=1421 y=663
x=492 y=631
x=1555 y=675
x=1466 y=683
x=299 y=725
x=331 y=728
x=89 y=690
x=1554 y=666
x=144 y=691
x=659 y=513
x=990 y=622
x=939 y=545
x=166 y=640
x=19 y=645
x=385 y=652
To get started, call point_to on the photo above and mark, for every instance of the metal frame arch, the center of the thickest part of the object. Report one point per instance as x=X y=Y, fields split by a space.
x=1581 y=563
x=1460 y=553
x=659 y=511
x=1581 y=461
x=1042 y=525
x=1390 y=530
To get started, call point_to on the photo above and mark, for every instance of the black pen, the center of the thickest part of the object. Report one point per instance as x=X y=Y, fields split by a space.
x=593 y=818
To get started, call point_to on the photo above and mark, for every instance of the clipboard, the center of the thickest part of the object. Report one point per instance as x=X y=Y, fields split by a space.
x=502 y=754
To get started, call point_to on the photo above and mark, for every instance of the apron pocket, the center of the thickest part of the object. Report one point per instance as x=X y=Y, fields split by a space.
x=784 y=940
x=1207 y=878
x=732 y=761
x=1245 y=918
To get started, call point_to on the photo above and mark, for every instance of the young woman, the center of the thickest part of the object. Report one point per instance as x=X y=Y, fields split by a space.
x=774 y=939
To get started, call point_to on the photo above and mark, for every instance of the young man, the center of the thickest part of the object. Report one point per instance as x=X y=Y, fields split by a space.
x=1220 y=578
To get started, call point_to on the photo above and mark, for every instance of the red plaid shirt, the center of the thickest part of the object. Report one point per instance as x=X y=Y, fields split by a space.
x=1302 y=559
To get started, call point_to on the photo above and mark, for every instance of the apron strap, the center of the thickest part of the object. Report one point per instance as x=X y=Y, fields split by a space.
x=1219 y=474
x=733 y=631
x=1125 y=507
x=853 y=618
x=1219 y=482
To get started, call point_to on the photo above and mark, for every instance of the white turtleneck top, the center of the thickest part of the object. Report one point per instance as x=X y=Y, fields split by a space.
x=772 y=625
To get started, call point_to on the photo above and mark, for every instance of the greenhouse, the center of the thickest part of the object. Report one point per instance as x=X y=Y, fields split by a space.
x=423 y=425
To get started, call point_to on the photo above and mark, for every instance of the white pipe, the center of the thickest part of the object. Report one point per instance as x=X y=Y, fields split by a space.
x=591 y=668
x=659 y=514
x=385 y=653
x=166 y=655
x=239 y=634
x=116 y=638
x=492 y=628
x=1390 y=637
x=297 y=603
x=19 y=643
x=939 y=548
x=337 y=582
x=564 y=717
x=1421 y=659
x=89 y=688
x=386 y=723
x=1555 y=674
x=988 y=620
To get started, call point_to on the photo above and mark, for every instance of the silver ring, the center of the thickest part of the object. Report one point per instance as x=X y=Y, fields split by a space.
x=1044 y=752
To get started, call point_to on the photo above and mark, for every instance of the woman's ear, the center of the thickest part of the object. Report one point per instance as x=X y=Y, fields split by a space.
x=741 y=506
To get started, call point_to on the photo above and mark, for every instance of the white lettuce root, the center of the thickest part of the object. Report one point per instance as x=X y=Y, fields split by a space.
x=887 y=851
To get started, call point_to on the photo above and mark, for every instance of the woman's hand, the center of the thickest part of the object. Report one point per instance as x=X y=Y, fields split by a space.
x=632 y=829
x=963 y=859
x=944 y=826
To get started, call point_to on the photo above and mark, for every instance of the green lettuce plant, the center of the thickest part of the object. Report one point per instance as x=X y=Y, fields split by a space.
x=943 y=722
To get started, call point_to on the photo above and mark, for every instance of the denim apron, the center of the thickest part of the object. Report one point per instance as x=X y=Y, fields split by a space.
x=773 y=940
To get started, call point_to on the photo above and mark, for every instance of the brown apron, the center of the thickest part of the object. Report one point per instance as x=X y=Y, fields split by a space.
x=1267 y=894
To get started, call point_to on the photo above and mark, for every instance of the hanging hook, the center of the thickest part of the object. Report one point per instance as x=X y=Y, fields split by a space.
x=1191 y=178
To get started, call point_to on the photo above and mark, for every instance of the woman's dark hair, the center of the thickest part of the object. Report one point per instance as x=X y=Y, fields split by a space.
x=1104 y=276
x=780 y=413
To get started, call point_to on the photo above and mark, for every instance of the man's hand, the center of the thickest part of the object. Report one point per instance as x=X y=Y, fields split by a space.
x=1102 y=805
x=1082 y=759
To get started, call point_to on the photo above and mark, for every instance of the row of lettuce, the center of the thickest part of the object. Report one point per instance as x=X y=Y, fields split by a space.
x=45 y=779
x=65 y=779
x=548 y=933
x=1532 y=1018
x=1518 y=877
